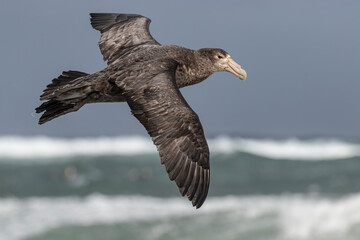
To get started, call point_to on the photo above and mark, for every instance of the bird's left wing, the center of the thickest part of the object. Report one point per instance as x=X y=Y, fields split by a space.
x=121 y=32
x=175 y=128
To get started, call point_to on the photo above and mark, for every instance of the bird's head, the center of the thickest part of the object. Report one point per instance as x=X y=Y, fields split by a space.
x=218 y=60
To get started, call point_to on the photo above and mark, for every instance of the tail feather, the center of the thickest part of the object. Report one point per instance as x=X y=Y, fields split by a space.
x=54 y=109
x=59 y=84
x=62 y=95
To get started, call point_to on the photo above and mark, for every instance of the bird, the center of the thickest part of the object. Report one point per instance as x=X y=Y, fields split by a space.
x=148 y=76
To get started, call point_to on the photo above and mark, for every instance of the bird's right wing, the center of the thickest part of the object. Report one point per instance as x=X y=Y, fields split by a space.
x=175 y=128
x=120 y=33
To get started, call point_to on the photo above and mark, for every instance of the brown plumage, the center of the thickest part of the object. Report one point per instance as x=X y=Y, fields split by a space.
x=147 y=76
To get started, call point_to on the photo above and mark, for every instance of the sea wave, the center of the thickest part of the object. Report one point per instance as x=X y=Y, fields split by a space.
x=292 y=148
x=296 y=217
x=50 y=147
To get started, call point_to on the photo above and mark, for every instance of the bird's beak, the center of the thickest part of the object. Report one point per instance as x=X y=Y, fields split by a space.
x=236 y=69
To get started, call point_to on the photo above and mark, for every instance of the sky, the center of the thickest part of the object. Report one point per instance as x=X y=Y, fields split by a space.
x=302 y=60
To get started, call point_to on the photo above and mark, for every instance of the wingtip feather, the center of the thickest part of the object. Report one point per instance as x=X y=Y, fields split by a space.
x=103 y=21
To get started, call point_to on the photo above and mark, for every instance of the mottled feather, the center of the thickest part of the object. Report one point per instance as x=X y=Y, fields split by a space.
x=120 y=32
x=175 y=128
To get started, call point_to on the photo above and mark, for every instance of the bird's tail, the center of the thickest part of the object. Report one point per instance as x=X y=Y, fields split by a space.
x=65 y=94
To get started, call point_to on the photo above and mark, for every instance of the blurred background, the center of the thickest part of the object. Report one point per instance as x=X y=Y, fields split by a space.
x=285 y=144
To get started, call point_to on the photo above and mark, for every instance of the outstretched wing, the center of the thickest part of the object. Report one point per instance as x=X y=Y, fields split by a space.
x=175 y=128
x=119 y=32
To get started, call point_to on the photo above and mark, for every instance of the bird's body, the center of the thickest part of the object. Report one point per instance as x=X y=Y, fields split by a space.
x=147 y=76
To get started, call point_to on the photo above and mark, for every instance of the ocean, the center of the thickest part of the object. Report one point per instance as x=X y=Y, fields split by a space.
x=115 y=188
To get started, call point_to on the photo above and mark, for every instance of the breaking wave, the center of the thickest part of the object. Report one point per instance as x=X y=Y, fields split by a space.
x=50 y=147
x=290 y=216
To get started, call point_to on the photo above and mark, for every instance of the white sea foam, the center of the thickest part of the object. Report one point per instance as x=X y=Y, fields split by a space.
x=47 y=147
x=314 y=149
x=293 y=216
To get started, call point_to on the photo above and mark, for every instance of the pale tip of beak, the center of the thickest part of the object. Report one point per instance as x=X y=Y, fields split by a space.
x=236 y=69
x=243 y=74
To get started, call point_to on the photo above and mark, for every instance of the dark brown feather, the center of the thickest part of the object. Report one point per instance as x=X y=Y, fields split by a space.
x=119 y=32
x=174 y=127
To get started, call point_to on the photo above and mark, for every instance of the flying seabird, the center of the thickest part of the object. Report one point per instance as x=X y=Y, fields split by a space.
x=147 y=75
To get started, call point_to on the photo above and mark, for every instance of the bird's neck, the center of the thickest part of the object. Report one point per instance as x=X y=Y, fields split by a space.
x=186 y=75
x=190 y=70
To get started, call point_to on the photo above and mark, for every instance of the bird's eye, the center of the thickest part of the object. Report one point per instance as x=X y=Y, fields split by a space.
x=220 y=56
